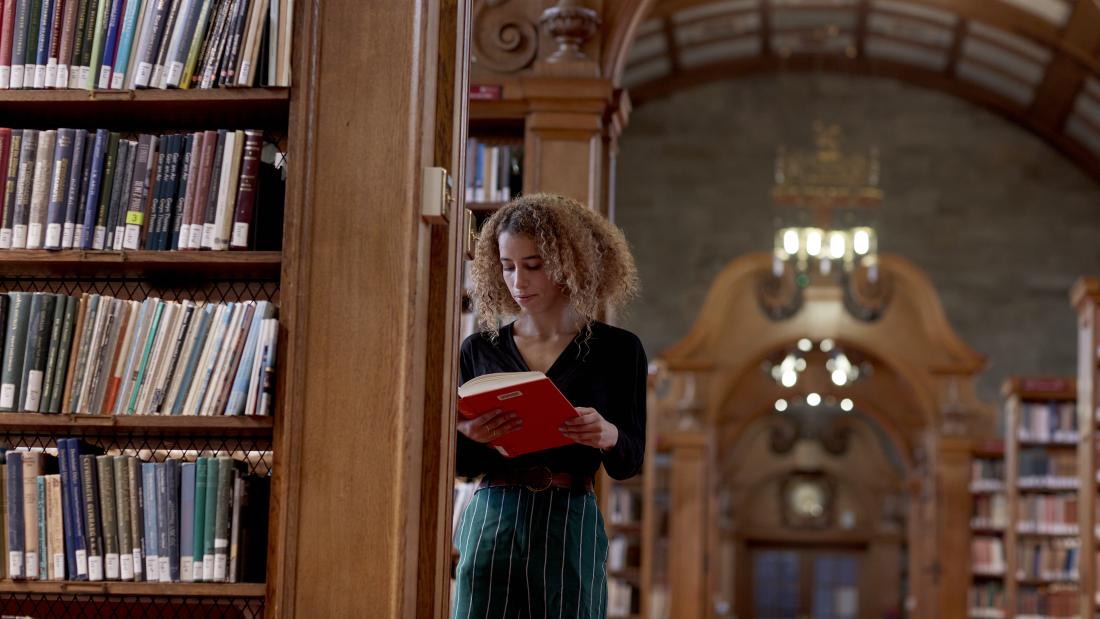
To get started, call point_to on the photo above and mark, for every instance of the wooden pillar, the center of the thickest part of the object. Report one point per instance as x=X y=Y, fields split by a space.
x=1086 y=300
x=373 y=404
x=567 y=134
x=952 y=527
x=687 y=544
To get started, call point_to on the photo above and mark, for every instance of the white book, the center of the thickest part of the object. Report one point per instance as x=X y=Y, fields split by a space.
x=141 y=40
x=5 y=77
x=16 y=80
x=269 y=341
x=272 y=45
x=28 y=81
x=40 y=192
x=51 y=73
x=222 y=367
x=39 y=76
x=206 y=363
x=227 y=195
x=164 y=330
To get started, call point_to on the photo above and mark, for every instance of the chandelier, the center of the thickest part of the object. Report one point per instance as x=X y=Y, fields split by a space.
x=795 y=370
x=825 y=195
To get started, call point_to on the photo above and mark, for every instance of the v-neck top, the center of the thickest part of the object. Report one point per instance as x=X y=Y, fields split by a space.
x=606 y=371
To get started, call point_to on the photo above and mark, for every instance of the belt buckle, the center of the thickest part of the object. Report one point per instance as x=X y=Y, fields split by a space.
x=548 y=475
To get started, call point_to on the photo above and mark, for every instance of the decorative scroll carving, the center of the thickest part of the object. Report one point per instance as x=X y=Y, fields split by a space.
x=506 y=39
x=779 y=297
x=571 y=24
x=867 y=293
x=783 y=433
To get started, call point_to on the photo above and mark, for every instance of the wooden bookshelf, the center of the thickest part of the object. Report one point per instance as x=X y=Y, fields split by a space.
x=1050 y=393
x=107 y=425
x=224 y=265
x=131 y=109
x=144 y=589
x=1085 y=298
x=987 y=580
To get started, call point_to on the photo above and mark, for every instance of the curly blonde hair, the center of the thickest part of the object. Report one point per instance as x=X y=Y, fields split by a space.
x=582 y=252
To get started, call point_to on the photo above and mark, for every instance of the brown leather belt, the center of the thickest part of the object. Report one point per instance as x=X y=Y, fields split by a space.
x=536 y=479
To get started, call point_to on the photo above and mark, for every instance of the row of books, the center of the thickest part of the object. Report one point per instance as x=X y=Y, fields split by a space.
x=1055 y=601
x=101 y=355
x=1054 y=514
x=85 y=515
x=1048 y=422
x=493 y=173
x=624 y=506
x=987 y=470
x=118 y=44
x=990 y=511
x=1053 y=559
x=80 y=189
x=1051 y=464
x=987 y=555
x=622 y=553
x=987 y=596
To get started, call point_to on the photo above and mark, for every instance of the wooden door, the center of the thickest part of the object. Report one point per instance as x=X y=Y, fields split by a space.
x=805 y=583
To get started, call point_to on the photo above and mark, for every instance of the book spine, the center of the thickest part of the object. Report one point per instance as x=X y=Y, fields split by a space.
x=19 y=43
x=202 y=191
x=91 y=20
x=122 y=514
x=125 y=195
x=5 y=164
x=55 y=527
x=197 y=345
x=77 y=52
x=149 y=52
x=160 y=64
x=95 y=58
x=14 y=347
x=122 y=161
x=24 y=188
x=149 y=496
x=110 y=44
x=181 y=194
x=192 y=45
x=91 y=203
x=7 y=29
x=246 y=76
x=186 y=520
x=65 y=49
x=59 y=188
x=80 y=518
x=221 y=519
x=40 y=521
x=15 y=527
x=183 y=238
x=227 y=74
x=41 y=58
x=135 y=212
x=108 y=515
x=83 y=343
x=32 y=467
x=74 y=188
x=213 y=468
x=66 y=509
x=36 y=325
x=246 y=189
x=40 y=189
x=57 y=323
x=198 y=520
x=110 y=157
x=68 y=327
x=30 y=52
x=137 y=518
x=239 y=390
x=126 y=43
x=56 y=22
x=10 y=188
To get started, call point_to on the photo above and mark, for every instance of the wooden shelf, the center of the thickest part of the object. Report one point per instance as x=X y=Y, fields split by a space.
x=266 y=108
x=152 y=589
x=107 y=425
x=220 y=265
x=484 y=207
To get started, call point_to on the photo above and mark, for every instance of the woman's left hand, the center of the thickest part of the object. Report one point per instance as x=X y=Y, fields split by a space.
x=591 y=429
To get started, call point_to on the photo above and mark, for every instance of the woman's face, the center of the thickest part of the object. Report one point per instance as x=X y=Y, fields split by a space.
x=527 y=280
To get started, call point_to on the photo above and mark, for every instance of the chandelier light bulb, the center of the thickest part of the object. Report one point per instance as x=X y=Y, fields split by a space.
x=805 y=345
x=813 y=399
x=826 y=345
x=790 y=241
x=790 y=377
x=846 y=405
x=837 y=245
x=839 y=378
x=800 y=365
x=861 y=242
x=813 y=242
x=781 y=405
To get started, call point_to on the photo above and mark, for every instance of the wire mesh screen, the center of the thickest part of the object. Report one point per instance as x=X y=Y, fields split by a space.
x=140 y=289
x=80 y=606
x=256 y=452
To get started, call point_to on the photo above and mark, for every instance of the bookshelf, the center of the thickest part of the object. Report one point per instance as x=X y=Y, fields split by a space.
x=988 y=521
x=1085 y=298
x=208 y=276
x=1042 y=542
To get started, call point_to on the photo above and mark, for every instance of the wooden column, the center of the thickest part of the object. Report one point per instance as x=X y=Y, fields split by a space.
x=378 y=106
x=1086 y=300
x=564 y=143
x=687 y=544
x=953 y=526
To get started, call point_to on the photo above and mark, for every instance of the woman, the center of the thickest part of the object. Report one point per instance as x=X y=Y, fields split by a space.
x=531 y=542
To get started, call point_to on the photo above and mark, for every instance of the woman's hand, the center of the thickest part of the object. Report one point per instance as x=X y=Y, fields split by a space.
x=591 y=429
x=490 y=426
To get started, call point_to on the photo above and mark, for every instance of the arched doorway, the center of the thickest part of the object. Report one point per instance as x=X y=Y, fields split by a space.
x=717 y=415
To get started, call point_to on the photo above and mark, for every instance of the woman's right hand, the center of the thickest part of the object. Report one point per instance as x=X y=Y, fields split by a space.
x=490 y=426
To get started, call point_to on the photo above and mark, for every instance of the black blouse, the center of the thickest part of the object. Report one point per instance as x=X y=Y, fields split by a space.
x=607 y=372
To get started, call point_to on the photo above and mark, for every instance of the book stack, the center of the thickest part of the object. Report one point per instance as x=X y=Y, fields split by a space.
x=1048 y=560
x=1047 y=470
x=1047 y=514
x=1055 y=601
x=987 y=556
x=987 y=600
x=79 y=189
x=101 y=355
x=81 y=514
x=1048 y=422
x=493 y=173
x=117 y=44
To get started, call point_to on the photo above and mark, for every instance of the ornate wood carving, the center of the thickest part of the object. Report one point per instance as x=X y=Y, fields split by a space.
x=505 y=37
x=571 y=24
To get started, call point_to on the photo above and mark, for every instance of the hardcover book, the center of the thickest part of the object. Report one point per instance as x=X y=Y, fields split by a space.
x=533 y=396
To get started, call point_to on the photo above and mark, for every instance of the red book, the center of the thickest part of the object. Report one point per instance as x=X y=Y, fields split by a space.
x=539 y=403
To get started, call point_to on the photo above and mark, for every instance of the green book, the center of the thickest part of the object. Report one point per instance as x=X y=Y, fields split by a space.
x=210 y=518
x=108 y=512
x=96 y=56
x=143 y=364
x=61 y=366
x=15 y=342
x=199 y=521
x=122 y=511
x=38 y=346
x=30 y=58
x=99 y=236
x=57 y=323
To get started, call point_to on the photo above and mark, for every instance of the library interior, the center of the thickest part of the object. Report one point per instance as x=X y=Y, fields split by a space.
x=870 y=386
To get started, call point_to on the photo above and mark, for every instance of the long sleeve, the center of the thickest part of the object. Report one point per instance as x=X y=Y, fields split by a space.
x=472 y=458
x=624 y=460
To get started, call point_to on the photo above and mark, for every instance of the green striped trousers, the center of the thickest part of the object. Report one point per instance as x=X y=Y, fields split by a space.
x=531 y=555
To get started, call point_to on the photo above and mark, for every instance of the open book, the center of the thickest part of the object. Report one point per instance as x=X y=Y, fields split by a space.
x=531 y=395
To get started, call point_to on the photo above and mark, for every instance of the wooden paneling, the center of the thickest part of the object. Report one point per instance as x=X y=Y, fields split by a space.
x=688 y=496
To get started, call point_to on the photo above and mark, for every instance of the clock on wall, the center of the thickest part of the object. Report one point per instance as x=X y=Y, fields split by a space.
x=806 y=500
